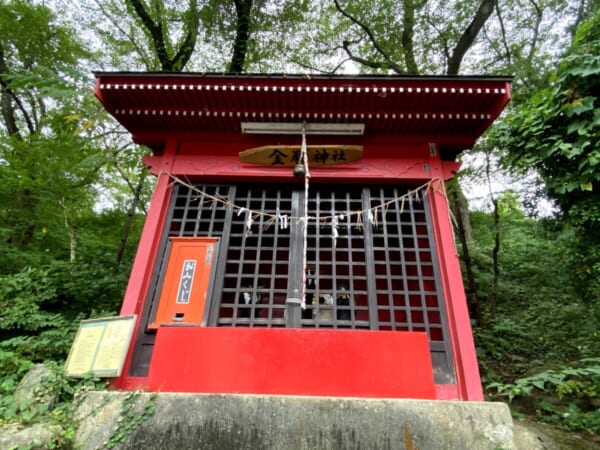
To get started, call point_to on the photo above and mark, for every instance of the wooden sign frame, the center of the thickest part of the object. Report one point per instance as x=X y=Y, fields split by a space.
x=100 y=347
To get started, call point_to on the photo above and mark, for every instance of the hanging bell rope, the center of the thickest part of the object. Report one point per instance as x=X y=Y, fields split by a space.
x=304 y=158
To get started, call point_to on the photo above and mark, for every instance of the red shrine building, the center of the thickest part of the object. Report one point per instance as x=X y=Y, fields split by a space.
x=298 y=240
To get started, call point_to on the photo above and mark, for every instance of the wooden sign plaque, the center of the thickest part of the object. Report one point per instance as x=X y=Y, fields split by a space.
x=289 y=155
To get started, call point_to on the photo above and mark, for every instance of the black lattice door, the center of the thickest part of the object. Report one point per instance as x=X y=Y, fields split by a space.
x=371 y=259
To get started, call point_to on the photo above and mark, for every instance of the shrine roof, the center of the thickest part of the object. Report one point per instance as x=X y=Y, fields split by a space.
x=453 y=111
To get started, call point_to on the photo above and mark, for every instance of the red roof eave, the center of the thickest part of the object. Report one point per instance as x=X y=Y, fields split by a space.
x=451 y=108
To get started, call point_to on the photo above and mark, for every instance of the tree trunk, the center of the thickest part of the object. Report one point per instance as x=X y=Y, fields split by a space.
x=486 y=7
x=242 y=35
x=496 y=249
x=408 y=23
x=473 y=300
x=158 y=33
x=71 y=229
x=495 y=265
x=130 y=216
x=8 y=112
x=461 y=207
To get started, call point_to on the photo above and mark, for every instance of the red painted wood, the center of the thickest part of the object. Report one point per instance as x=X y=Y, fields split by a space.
x=226 y=166
x=131 y=384
x=336 y=363
x=141 y=271
x=373 y=146
x=146 y=252
x=439 y=106
x=447 y=392
x=459 y=323
x=218 y=161
x=211 y=142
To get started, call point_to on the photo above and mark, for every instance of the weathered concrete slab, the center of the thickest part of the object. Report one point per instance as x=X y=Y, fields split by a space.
x=191 y=421
x=539 y=436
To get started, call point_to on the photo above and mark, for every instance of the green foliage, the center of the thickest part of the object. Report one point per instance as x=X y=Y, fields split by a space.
x=40 y=312
x=35 y=44
x=531 y=258
x=41 y=308
x=12 y=369
x=52 y=169
x=568 y=396
x=48 y=171
x=429 y=37
x=583 y=261
x=276 y=28
x=530 y=351
x=558 y=131
x=558 y=134
x=39 y=66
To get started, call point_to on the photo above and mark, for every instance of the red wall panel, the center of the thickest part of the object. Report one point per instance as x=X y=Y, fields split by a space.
x=337 y=363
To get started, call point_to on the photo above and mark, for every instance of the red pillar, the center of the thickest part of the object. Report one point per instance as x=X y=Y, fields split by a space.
x=459 y=323
x=141 y=271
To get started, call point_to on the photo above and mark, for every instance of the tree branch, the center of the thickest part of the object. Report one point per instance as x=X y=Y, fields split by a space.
x=486 y=7
x=17 y=100
x=496 y=215
x=319 y=70
x=143 y=55
x=536 y=30
x=187 y=46
x=371 y=64
x=135 y=201
x=8 y=112
x=441 y=35
x=388 y=64
x=456 y=198
x=156 y=34
x=503 y=33
x=71 y=229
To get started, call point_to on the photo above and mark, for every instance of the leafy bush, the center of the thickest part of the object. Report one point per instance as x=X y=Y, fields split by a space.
x=40 y=308
x=532 y=260
x=530 y=350
x=569 y=397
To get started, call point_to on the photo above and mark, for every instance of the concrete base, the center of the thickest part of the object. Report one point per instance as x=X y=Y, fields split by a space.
x=124 y=420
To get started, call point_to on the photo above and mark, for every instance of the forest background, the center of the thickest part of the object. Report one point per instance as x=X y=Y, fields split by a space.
x=73 y=191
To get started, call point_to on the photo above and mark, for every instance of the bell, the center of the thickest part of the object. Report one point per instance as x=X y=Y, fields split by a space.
x=299 y=171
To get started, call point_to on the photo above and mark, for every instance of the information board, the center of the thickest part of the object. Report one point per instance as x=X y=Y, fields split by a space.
x=100 y=347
